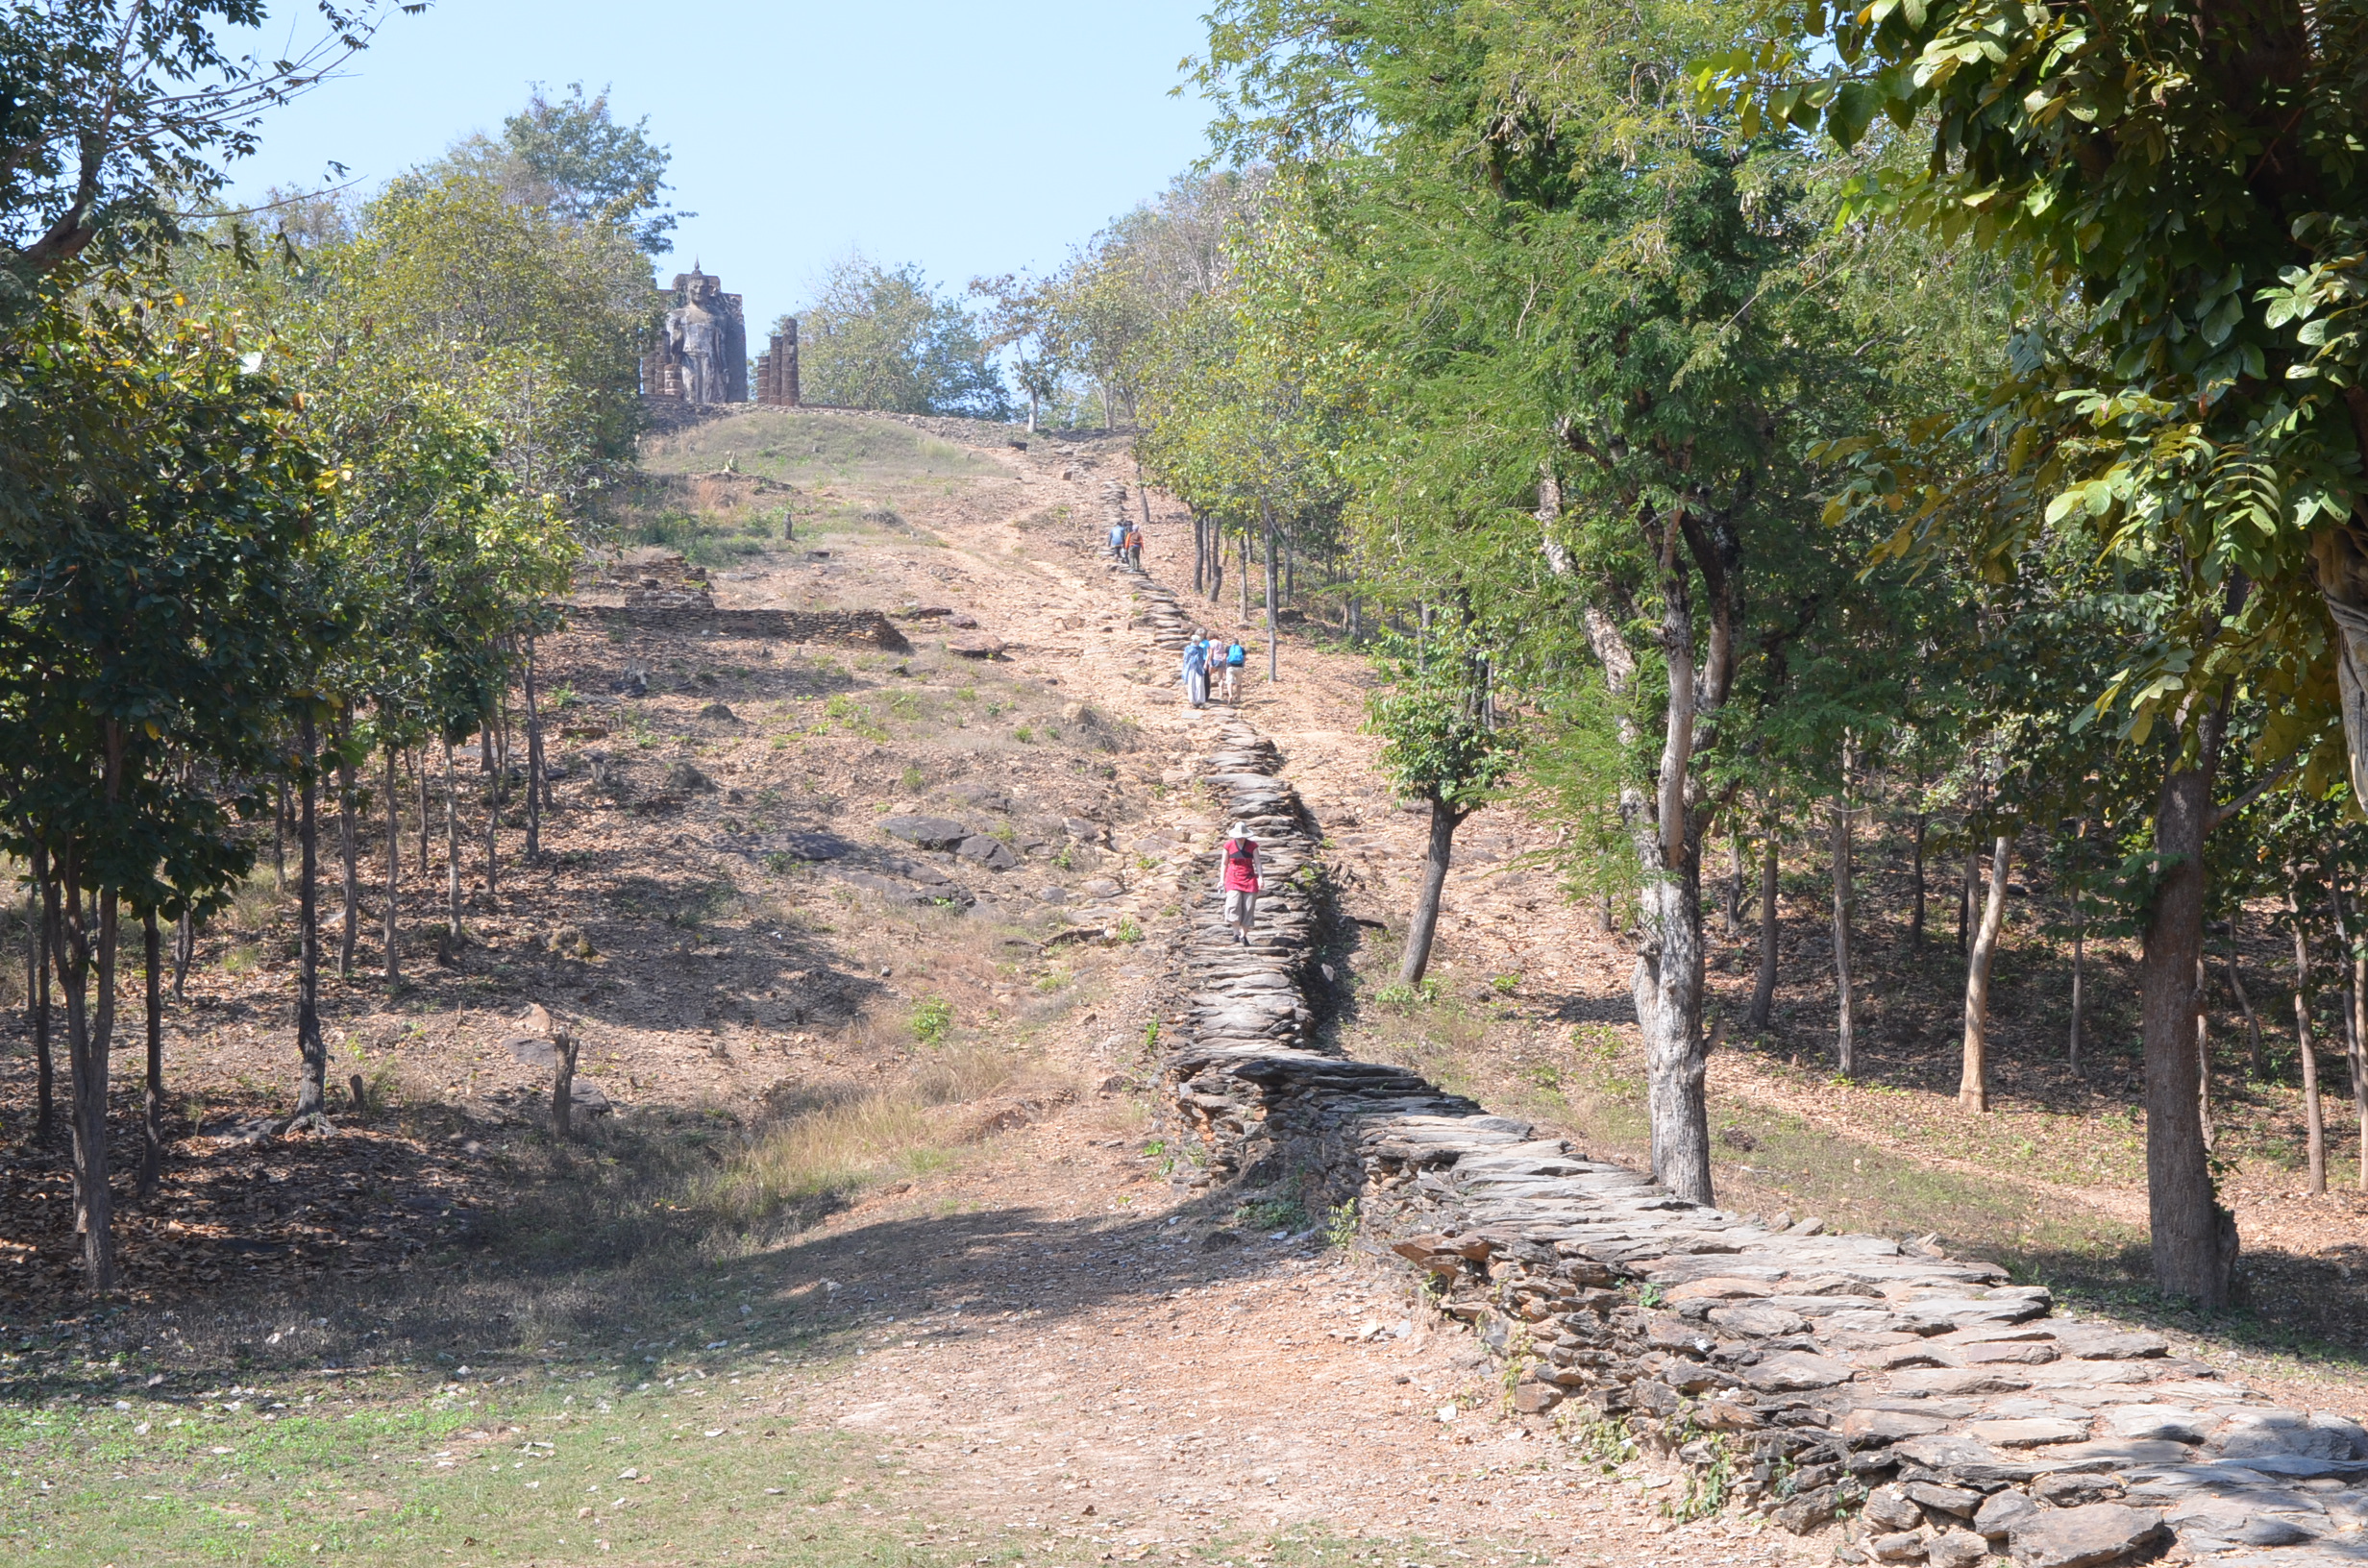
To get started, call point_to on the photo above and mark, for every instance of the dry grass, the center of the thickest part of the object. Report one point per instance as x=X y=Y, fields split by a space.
x=816 y=1156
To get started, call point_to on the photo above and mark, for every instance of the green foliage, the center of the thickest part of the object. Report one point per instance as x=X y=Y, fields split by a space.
x=876 y=338
x=1340 y=1232
x=1441 y=741
x=932 y=1021
x=591 y=169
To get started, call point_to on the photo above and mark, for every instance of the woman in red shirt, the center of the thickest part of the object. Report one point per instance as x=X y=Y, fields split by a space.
x=1239 y=859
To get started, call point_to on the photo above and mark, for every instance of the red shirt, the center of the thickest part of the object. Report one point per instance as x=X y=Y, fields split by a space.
x=1241 y=865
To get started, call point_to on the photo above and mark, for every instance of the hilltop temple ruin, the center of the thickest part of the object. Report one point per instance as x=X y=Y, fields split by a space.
x=703 y=355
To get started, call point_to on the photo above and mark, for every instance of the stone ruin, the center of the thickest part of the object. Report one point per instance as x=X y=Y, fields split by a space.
x=777 y=368
x=1903 y=1405
x=702 y=358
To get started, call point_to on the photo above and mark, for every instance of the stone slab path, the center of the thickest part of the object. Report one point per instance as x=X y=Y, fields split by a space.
x=1898 y=1405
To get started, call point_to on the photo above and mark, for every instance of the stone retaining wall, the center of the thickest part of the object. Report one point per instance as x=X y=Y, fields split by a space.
x=863 y=629
x=1903 y=1406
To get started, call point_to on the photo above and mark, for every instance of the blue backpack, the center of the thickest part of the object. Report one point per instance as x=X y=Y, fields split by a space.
x=1237 y=655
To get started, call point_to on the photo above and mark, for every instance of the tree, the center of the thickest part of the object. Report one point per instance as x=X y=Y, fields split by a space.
x=1442 y=746
x=120 y=113
x=1021 y=316
x=577 y=160
x=2203 y=411
x=876 y=338
x=156 y=623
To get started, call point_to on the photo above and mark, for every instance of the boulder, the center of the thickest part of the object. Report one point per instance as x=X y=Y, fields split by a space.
x=1957 y=1548
x=1957 y=1502
x=2000 y=1512
x=2258 y=1434
x=2082 y=1537
x=1796 y=1370
x=1758 y=1321
x=993 y=853
x=1892 y=1509
x=2156 y=1423
x=2093 y=1342
x=1902 y=1545
x=925 y=832
x=2030 y=1433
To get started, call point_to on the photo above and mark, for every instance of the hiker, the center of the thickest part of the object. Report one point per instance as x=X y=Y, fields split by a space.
x=1118 y=541
x=1197 y=670
x=1134 y=549
x=1239 y=859
x=1231 y=671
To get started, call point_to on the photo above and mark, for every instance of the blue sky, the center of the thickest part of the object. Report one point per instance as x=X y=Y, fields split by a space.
x=968 y=139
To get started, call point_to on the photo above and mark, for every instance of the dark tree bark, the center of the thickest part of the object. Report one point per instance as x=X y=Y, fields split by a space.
x=454 y=928
x=85 y=926
x=350 y=848
x=2079 y=967
x=1735 y=883
x=394 y=874
x=36 y=998
x=2314 y=1119
x=1445 y=820
x=419 y=771
x=184 y=954
x=311 y=1050
x=1846 y=1028
x=535 y=764
x=2355 y=1046
x=1916 y=909
x=493 y=818
x=1973 y=1072
x=279 y=837
x=1764 y=990
x=2194 y=1237
x=152 y=1096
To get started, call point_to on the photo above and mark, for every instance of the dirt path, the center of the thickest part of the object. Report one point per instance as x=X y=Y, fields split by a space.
x=1067 y=1346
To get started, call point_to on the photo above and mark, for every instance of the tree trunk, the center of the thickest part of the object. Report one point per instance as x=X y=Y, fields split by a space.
x=311 y=1050
x=184 y=954
x=1735 y=883
x=2079 y=967
x=1916 y=909
x=493 y=816
x=2356 y=1050
x=562 y=1082
x=1968 y=892
x=152 y=1096
x=1241 y=585
x=36 y=996
x=1763 y=991
x=1973 y=1074
x=2257 y=1061
x=534 y=765
x=1845 y=1034
x=394 y=872
x=419 y=771
x=2203 y=1051
x=1217 y=561
x=349 y=848
x=1668 y=972
x=2194 y=1237
x=279 y=837
x=1273 y=651
x=1444 y=820
x=2314 y=1120
x=452 y=848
